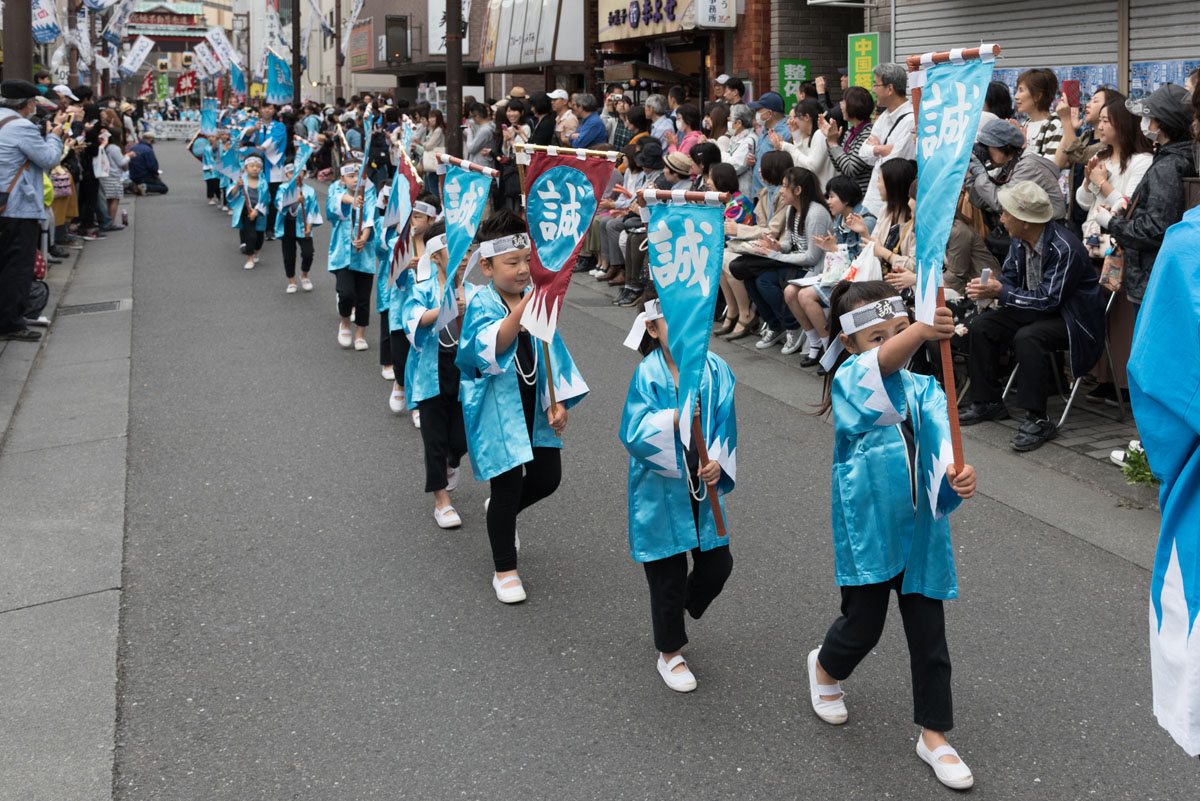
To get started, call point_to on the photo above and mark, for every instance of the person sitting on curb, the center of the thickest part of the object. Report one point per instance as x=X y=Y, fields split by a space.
x=1049 y=300
x=143 y=167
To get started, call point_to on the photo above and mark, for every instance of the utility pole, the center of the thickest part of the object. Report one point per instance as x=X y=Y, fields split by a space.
x=296 y=55
x=337 y=49
x=454 y=75
x=18 y=40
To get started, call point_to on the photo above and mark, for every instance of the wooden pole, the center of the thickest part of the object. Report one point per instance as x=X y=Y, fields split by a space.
x=702 y=452
x=914 y=64
x=525 y=147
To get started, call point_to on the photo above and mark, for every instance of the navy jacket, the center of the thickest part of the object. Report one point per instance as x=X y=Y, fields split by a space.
x=143 y=164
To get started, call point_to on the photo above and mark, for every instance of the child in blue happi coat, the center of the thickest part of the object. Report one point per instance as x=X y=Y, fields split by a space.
x=202 y=148
x=894 y=482
x=249 y=198
x=513 y=432
x=294 y=222
x=351 y=253
x=669 y=512
x=425 y=212
x=431 y=375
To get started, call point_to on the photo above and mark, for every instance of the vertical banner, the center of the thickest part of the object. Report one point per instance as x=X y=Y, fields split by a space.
x=951 y=101
x=561 y=204
x=792 y=73
x=355 y=10
x=289 y=191
x=137 y=54
x=464 y=195
x=205 y=56
x=147 y=89
x=862 y=59
x=685 y=246
x=45 y=22
x=221 y=46
x=208 y=116
x=186 y=84
x=279 y=79
x=237 y=79
x=118 y=23
x=405 y=188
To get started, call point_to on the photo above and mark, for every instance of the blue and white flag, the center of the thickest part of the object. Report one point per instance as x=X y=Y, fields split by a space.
x=464 y=194
x=208 y=116
x=99 y=5
x=45 y=22
x=118 y=22
x=279 y=79
x=136 y=55
x=289 y=191
x=951 y=102
x=238 y=79
x=221 y=47
x=685 y=246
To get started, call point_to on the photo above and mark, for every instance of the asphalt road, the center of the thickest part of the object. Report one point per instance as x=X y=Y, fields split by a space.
x=294 y=625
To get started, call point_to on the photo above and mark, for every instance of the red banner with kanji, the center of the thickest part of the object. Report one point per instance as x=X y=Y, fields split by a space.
x=186 y=84
x=147 y=89
x=560 y=205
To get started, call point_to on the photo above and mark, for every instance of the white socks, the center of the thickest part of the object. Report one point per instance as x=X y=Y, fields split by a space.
x=814 y=342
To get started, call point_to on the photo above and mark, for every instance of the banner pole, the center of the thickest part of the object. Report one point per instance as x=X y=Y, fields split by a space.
x=550 y=381
x=702 y=452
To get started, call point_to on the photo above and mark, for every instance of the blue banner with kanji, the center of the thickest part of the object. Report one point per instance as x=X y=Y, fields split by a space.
x=279 y=80
x=685 y=244
x=464 y=194
x=948 y=119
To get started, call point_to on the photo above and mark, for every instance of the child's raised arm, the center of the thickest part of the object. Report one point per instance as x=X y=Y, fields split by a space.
x=512 y=324
x=896 y=351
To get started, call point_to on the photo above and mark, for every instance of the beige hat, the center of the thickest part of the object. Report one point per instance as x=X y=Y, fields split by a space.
x=1027 y=202
x=679 y=163
x=517 y=92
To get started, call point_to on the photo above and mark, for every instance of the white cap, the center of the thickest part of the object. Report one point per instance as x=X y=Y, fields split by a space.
x=722 y=79
x=65 y=91
x=559 y=94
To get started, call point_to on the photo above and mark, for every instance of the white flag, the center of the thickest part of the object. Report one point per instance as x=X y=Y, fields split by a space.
x=205 y=56
x=221 y=47
x=137 y=54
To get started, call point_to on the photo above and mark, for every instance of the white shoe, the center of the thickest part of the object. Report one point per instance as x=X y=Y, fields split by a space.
x=829 y=711
x=306 y=285
x=516 y=537
x=229 y=211
x=388 y=373
x=769 y=337
x=452 y=481
x=509 y=591
x=291 y=289
x=345 y=338
x=256 y=258
x=396 y=401
x=793 y=341
x=360 y=344
x=955 y=775
x=447 y=517
x=212 y=201
x=249 y=265
x=683 y=682
x=416 y=419
x=1120 y=457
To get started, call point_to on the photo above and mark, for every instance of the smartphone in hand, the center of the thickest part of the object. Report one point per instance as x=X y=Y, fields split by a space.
x=986 y=276
x=1071 y=92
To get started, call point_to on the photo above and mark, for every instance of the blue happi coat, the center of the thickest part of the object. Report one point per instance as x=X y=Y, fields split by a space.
x=341 y=238
x=421 y=378
x=204 y=150
x=307 y=209
x=272 y=138
x=238 y=202
x=385 y=240
x=661 y=522
x=491 y=397
x=878 y=531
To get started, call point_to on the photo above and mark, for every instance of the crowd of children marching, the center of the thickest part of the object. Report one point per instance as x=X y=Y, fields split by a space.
x=477 y=384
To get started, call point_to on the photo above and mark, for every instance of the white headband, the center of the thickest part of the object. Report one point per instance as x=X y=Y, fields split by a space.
x=653 y=312
x=424 y=264
x=425 y=208
x=863 y=317
x=496 y=247
x=289 y=169
x=256 y=159
x=349 y=169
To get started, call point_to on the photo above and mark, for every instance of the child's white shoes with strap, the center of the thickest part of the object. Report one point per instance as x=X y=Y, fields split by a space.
x=829 y=711
x=509 y=590
x=682 y=682
x=446 y=517
x=955 y=775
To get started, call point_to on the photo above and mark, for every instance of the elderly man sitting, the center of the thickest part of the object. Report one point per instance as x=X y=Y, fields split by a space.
x=1049 y=300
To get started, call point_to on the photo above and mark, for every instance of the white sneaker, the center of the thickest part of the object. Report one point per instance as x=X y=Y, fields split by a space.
x=360 y=344
x=447 y=517
x=249 y=265
x=955 y=775
x=829 y=711
x=1120 y=457
x=683 y=682
x=212 y=201
x=793 y=341
x=416 y=419
x=229 y=211
x=306 y=285
x=396 y=401
x=509 y=591
x=452 y=480
x=388 y=373
x=769 y=337
x=291 y=289
x=345 y=338
x=256 y=258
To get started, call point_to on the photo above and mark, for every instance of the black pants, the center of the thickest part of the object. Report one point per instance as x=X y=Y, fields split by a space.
x=252 y=238
x=398 y=347
x=1032 y=336
x=271 y=208
x=385 y=340
x=212 y=188
x=154 y=186
x=514 y=492
x=289 y=243
x=673 y=590
x=354 y=292
x=857 y=631
x=89 y=188
x=18 y=247
x=442 y=429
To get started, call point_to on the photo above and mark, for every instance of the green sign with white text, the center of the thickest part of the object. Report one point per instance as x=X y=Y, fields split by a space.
x=162 y=87
x=862 y=59
x=792 y=73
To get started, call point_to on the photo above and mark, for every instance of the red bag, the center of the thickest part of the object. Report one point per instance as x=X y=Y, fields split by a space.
x=39 y=265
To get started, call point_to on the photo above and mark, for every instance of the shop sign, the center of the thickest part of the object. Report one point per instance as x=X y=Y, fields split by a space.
x=862 y=58
x=792 y=73
x=359 y=54
x=634 y=19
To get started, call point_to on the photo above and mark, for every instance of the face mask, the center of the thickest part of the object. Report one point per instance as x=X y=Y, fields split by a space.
x=1151 y=135
x=763 y=116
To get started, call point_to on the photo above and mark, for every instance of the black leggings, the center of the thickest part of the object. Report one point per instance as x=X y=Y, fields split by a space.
x=514 y=492
x=212 y=188
x=442 y=429
x=354 y=292
x=252 y=238
x=272 y=208
x=385 y=340
x=398 y=347
x=289 y=242
x=857 y=631
x=673 y=590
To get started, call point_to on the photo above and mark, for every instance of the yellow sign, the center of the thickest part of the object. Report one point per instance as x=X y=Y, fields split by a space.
x=258 y=90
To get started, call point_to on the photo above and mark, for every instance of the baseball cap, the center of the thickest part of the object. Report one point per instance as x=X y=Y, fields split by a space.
x=768 y=100
x=1169 y=103
x=65 y=91
x=559 y=94
x=722 y=79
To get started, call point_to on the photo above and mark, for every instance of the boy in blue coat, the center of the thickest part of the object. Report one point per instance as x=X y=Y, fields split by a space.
x=351 y=254
x=296 y=217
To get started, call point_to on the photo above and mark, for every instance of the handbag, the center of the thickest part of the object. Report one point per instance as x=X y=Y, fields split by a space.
x=39 y=265
x=865 y=267
x=429 y=162
x=1112 y=274
x=100 y=165
x=60 y=179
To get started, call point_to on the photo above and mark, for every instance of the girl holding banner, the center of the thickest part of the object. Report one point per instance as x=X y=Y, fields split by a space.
x=666 y=516
x=889 y=534
x=350 y=259
x=249 y=199
x=513 y=431
x=293 y=228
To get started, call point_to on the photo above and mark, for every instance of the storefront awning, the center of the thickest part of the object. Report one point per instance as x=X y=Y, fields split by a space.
x=527 y=35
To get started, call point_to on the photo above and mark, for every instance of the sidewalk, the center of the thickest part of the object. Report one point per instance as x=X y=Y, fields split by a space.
x=64 y=408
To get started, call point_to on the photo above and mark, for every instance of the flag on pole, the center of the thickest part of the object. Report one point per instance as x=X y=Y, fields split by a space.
x=952 y=96
x=162 y=86
x=279 y=79
x=405 y=188
x=289 y=191
x=563 y=190
x=221 y=47
x=45 y=22
x=354 y=12
x=205 y=55
x=138 y=51
x=237 y=79
x=186 y=84
x=208 y=116
x=118 y=23
x=685 y=247
x=147 y=89
x=464 y=195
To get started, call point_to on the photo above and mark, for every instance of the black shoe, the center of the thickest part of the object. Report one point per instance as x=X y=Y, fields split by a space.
x=53 y=260
x=1113 y=400
x=625 y=294
x=1033 y=434
x=1103 y=393
x=23 y=335
x=59 y=253
x=809 y=361
x=978 y=412
x=585 y=264
x=635 y=297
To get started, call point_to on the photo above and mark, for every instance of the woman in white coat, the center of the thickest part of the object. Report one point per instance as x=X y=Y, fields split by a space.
x=808 y=148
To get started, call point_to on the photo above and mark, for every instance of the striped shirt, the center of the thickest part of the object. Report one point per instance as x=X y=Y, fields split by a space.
x=1042 y=137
